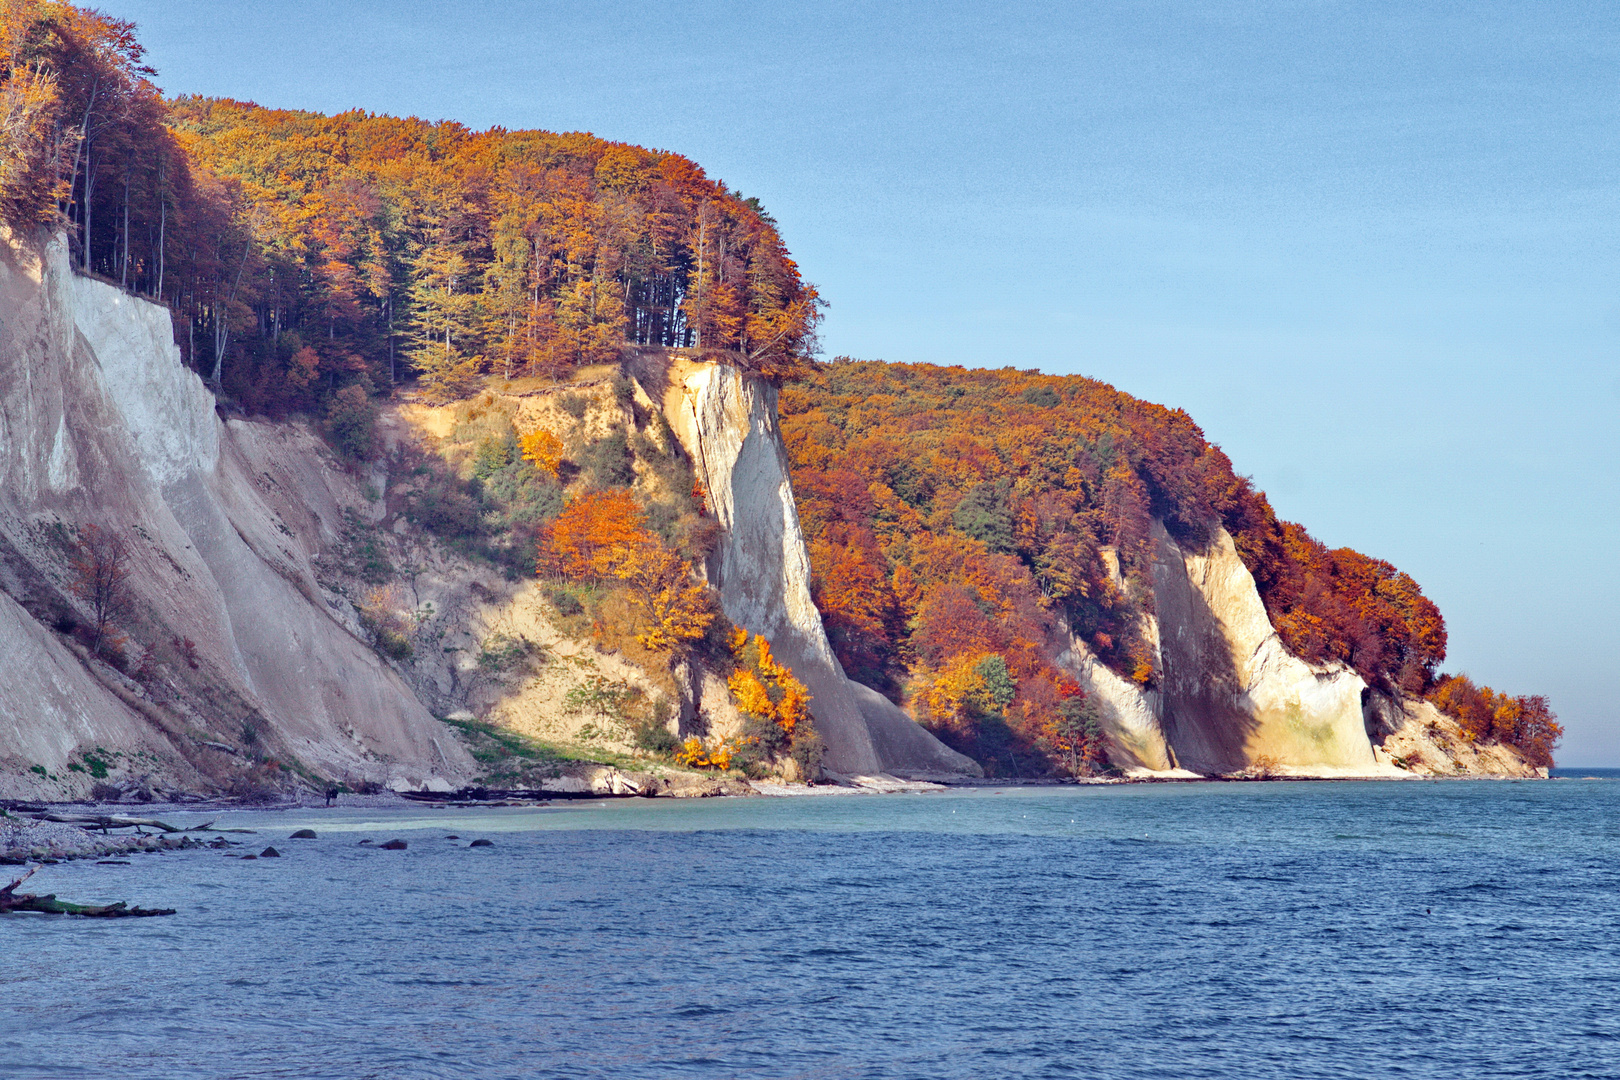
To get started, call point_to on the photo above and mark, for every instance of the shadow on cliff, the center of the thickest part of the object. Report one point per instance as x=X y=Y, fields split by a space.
x=1205 y=725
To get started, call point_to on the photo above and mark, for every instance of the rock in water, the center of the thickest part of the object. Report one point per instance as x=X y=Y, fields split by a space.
x=482 y=843
x=269 y=853
x=394 y=845
x=303 y=834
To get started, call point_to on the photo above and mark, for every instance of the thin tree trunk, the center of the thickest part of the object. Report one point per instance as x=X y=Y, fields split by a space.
x=222 y=326
x=89 y=196
x=79 y=150
x=163 y=219
x=123 y=266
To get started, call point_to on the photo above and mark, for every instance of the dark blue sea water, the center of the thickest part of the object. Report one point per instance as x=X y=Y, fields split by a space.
x=1446 y=929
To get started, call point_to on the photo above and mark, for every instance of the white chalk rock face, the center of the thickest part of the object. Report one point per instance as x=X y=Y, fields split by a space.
x=1130 y=714
x=1229 y=696
x=101 y=423
x=727 y=422
x=1233 y=695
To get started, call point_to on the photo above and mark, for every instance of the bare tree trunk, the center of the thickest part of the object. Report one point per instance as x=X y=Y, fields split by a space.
x=89 y=196
x=78 y=151
x=222 y=323
x=123 y=266
x=12 y=900
x=163 y=220
x=222 y=335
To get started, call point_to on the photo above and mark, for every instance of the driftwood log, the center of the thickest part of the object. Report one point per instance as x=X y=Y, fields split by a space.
x=12 y=900
x=120 y=821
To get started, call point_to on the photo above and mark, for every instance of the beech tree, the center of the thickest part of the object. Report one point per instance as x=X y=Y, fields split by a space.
x=603 y=536
x=101 y=580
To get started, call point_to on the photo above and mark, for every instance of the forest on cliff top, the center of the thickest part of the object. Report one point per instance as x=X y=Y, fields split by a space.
x=303 y=253
x=961 y=522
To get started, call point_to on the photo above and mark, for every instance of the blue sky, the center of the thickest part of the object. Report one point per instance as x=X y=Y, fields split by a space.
x=1373 y=249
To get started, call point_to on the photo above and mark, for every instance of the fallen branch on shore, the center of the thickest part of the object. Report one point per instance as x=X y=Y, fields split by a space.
x=11 y=900
x=119 y=821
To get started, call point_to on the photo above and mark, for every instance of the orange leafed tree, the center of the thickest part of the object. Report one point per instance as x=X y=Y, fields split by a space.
x=544 y=449
x=675 y=609
x=593 y=534
x=603 y=535
x=764 y=687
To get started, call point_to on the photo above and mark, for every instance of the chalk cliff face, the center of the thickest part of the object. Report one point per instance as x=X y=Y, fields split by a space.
x=1230 y=697
x=1233 y=695
x=101 y=424
x=727 y=422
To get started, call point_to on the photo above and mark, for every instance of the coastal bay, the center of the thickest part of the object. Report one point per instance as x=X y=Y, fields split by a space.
x=1267 y=930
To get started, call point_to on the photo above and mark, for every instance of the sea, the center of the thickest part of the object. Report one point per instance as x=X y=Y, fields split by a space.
x=1447 y=929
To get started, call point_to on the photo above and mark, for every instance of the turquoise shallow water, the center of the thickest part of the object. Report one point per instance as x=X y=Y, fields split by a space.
x=1456 y=929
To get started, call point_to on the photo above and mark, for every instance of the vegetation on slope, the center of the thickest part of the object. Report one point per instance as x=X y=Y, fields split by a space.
x=961 y=521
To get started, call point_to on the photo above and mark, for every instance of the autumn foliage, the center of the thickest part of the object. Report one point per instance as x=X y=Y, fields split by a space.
x=603 y=536
x=963 y=519
x=765 y=689
x=1527 y=723
x=392 y=245
x=776 y=708
x=544 y=449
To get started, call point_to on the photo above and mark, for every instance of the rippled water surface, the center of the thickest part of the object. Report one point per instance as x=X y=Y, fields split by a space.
x=1459 y=929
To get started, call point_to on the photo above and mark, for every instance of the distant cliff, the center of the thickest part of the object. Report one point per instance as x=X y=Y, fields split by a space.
x=1057 y=578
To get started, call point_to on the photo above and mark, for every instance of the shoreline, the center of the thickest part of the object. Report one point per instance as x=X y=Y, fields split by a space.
x=25 y=838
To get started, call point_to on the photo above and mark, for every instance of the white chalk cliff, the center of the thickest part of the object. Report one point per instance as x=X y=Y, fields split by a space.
x=100 y=423
x=1230 y=696
x=250 y=655
x=727 y=422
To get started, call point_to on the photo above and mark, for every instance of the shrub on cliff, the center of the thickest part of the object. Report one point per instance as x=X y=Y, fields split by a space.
x=101 y=569
x=351 y=423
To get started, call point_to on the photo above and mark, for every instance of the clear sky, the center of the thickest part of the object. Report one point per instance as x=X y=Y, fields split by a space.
x=1371 y=248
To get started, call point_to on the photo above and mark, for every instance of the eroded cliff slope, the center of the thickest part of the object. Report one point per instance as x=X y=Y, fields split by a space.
x=238 y=669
